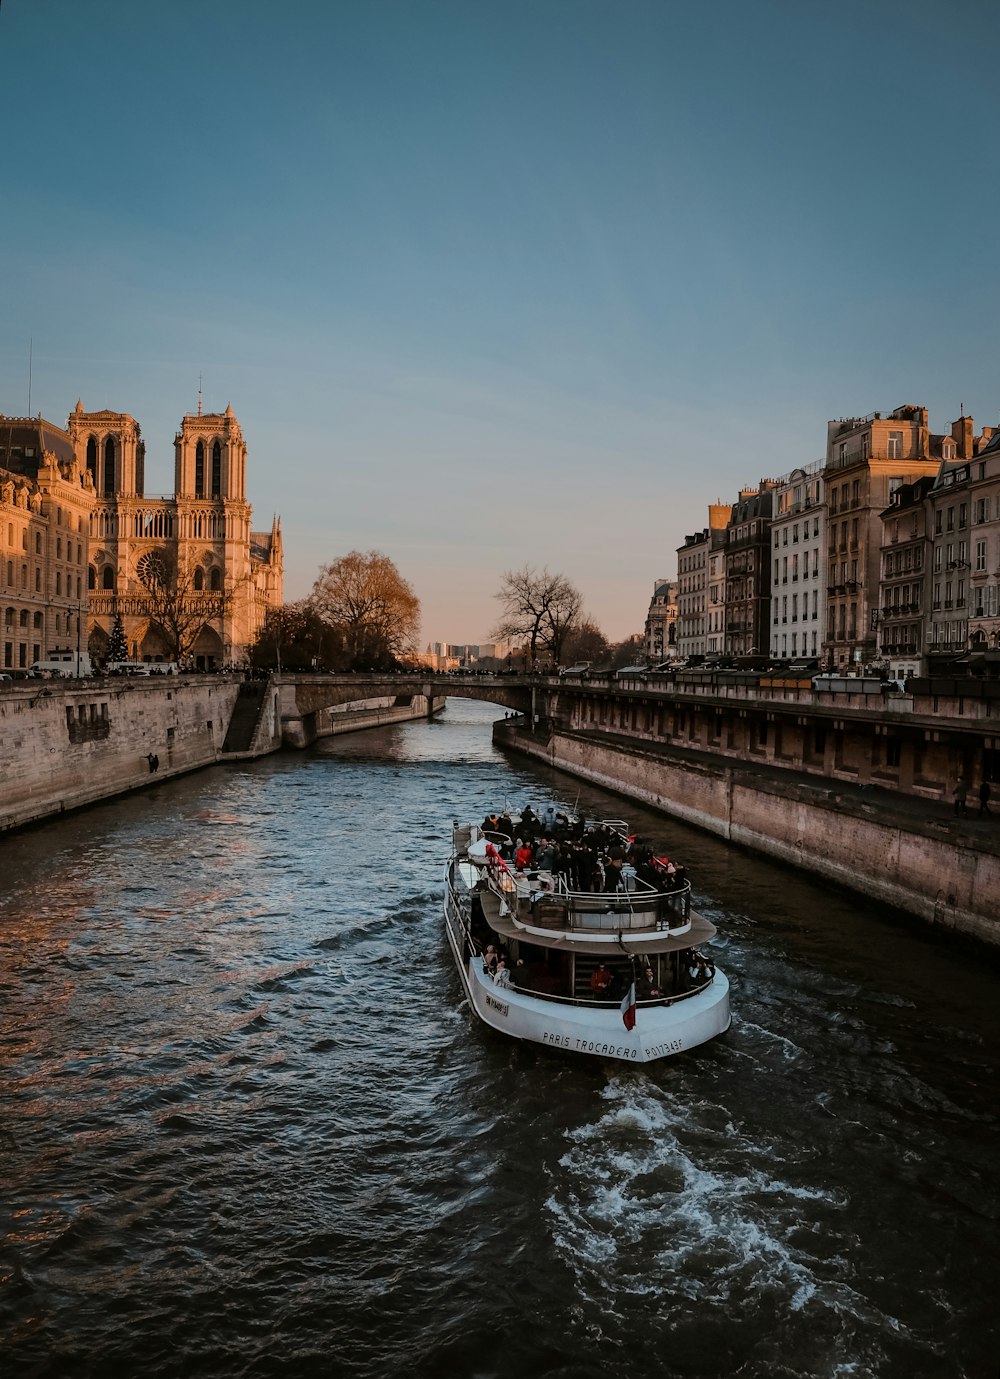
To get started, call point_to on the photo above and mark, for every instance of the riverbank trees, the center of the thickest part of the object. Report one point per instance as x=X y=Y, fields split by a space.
x=363 y=598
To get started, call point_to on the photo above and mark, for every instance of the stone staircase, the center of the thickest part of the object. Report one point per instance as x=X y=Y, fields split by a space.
x=246 y=716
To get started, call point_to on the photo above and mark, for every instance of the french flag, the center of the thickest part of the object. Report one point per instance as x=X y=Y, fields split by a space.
x=628 y=1007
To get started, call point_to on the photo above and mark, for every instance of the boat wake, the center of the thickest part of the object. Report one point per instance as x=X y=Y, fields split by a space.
x=658 y=1197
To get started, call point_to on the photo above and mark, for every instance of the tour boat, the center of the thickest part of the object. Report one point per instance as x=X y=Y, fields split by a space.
x=575 y=962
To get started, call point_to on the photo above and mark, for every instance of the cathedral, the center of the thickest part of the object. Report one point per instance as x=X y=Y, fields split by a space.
x=189 y=578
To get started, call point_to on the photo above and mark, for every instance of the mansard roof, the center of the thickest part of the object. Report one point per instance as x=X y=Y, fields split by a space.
x=23 y=441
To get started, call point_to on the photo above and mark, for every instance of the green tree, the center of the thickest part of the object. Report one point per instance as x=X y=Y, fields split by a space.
x=117 y=645
x=364 y=598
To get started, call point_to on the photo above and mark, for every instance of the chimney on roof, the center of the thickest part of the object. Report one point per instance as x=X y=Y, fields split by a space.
x=961 y=434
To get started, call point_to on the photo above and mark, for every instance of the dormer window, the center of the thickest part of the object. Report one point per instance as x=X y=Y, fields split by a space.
x=948 y=450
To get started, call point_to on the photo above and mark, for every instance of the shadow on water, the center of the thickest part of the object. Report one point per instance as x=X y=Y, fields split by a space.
x=250 y=1129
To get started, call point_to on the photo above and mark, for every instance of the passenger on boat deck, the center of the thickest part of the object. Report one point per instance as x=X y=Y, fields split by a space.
x=545 y=855
x=612 y=874
x=523 y=856
x=699 y=970
x=549 y=817
x=600 y=981
x=646 y=988
x=502 y=975
x=490 y=960
x=504 y=825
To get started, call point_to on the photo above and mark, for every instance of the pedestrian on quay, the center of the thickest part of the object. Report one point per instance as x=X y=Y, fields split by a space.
x=984 y=798
x=961 y=794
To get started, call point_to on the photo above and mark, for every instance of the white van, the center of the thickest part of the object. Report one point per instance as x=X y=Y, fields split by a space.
x=71 y=664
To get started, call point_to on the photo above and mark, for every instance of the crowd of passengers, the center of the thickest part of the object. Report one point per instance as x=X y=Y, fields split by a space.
x=588 y=857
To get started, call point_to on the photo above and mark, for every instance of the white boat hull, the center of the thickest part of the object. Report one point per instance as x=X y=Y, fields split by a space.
x=660 y=1031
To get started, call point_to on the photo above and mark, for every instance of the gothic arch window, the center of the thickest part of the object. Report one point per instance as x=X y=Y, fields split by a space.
x=199 y=470
x=216 y=579
x=23 y=618
x=92 y=459
x=107 y=578
x=109 y=467
x=199 y=578
x=216 y=470
x=91 y=578
x=38 y=620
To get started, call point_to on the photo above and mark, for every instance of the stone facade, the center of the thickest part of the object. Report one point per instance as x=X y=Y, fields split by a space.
x=46 y=499
x=867 y=460
x=660 y=634
x=222 y=575
x=748 y=572
x=798 y=565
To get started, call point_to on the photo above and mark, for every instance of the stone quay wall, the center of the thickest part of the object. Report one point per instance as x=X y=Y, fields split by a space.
x=66 y=744
x=849 y=841
x=346 y=719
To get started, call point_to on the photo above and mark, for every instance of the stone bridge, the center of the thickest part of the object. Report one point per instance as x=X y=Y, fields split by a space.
x=302 y=697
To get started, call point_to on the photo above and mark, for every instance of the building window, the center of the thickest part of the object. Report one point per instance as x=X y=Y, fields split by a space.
x=216 y=470
x=199 y=578
x=107 y=578
x=980 y=555
x=895 y=445
x=199 y=470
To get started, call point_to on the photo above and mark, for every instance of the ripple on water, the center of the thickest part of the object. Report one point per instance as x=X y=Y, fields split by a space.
x=251 y=1129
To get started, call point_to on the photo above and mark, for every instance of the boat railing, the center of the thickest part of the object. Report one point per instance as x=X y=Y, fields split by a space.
x=611 y=911
x=587 y=1001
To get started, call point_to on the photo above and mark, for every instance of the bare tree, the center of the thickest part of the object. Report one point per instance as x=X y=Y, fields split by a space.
x=376 y=610
x=176 y=605
x=539 y=606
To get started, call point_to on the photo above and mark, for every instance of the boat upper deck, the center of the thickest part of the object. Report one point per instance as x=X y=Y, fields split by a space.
x=542 y=905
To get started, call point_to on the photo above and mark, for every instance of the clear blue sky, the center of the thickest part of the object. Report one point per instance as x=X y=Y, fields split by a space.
x=488 y=283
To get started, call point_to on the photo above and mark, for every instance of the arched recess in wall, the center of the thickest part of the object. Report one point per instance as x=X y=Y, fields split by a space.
x=92 y=459
x=109 y=467
x=108 y=577
x=216 y=470
x=199 y=470
x=215 y=579
x=199 y=578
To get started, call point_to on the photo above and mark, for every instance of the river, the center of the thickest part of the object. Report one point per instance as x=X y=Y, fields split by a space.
x=248 y=1128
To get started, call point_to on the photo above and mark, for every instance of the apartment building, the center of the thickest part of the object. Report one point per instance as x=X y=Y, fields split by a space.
x=748 y=572
x=867 y=460
x=906 y=567
x=46 y=498
x=798 y=564
x=984 y=550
